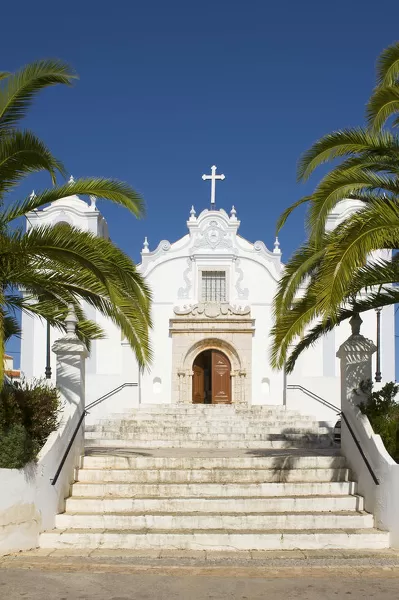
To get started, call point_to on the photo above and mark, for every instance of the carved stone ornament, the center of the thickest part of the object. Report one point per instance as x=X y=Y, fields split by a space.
x=243 y=293
x=213 y=237
x=212 y=310
x=184 y=292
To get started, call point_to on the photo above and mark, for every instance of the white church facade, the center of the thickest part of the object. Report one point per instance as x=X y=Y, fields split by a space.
x=212 y=316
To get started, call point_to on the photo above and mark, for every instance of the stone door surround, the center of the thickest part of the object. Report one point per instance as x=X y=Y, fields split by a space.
x=211 y=326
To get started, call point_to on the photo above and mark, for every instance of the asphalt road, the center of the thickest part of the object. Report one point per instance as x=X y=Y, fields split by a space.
x=32 y=584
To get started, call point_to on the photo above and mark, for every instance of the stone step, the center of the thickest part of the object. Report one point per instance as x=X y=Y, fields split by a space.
x=236 y=408
x=292 y=443
x=212 y=462
x=211 y=418
x=225 y=521
x=280 y=504
x=201 y=490
x=211 y=475
x=188 y=436
x=217 y=540
x=210 y=429
x=211 y=415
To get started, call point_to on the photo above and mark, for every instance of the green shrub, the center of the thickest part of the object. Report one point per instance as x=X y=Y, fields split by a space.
x=29 y=412
x=383 y=413
x=16 y=447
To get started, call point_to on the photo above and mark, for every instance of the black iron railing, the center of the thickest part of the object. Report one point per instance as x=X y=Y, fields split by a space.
x=314 y=397
x=81 y=419
x=340 y=414
x=362 y=454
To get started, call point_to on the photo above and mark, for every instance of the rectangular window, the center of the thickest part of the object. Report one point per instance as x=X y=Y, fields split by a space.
x=213 y=286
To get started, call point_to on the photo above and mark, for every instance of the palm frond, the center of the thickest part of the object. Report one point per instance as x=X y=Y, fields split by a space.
x=336 y=186
x=388 y=66
x=375 y=227
x=284 y=216
x=290 y=325
x=109 y=189
x=60 y=263
x=20 y=88
x=382 y=105
x=11 y=327
x=375 y=273
x=296 y=272
x=344 y=142
x=378 y=300
x=22 y=153
x=368 y=197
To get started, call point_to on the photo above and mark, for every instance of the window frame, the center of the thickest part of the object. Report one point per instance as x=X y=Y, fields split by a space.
x=201 y=272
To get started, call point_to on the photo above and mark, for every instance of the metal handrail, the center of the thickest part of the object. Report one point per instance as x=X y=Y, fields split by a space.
x=314 y=396
x=362 y=454
x=81 y=419
x=341 y=414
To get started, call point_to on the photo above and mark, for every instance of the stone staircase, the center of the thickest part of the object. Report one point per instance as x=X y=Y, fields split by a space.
x=213 y=478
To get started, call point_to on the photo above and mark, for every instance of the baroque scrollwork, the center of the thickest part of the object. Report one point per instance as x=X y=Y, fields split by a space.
x=212 y=310
x=242 y=293
x=164 y=245
x=184 y=292
x=261 y=247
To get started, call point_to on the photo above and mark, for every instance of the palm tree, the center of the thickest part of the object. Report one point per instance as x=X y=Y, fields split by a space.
x=56 y=266
x=334 y=274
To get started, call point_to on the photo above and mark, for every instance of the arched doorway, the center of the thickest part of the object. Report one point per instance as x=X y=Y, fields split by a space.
x=211 y=378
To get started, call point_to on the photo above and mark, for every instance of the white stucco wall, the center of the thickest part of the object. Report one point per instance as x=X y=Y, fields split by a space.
x=381 y=500
x=29 y=502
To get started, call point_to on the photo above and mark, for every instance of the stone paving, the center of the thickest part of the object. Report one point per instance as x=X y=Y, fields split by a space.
x=176 y=575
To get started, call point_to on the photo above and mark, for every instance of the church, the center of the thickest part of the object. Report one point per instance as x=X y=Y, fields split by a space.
x=210 y=448
x=212 y=315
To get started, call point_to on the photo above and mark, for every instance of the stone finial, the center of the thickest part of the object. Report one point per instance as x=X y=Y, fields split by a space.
x=233 y=213
x=71 y=179
x=71 y=321
x=33 y=195
x=93 y=201
x=276 y=249
x=192 y=214
x=145 y=246
x=355 y=323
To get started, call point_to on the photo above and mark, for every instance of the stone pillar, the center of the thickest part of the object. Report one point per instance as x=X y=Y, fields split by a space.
x=355 y=355
x=71 y=353
x=182 y=382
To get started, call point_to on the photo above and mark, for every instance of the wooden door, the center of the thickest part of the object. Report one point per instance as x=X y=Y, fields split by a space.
x=221 y=379
x=198 y=383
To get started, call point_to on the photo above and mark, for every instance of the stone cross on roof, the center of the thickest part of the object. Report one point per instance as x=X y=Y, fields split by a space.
x=213 y=177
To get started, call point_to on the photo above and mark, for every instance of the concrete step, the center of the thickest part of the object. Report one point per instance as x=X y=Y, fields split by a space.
x=215 y=490
x=226 y=429
x=194 y=521
x=205 y=418
x=213 y=415
x=216 y=540
x=313 y=504
x=95 y=441
x=276 y=461
x=211 y=475
x=211 y=408
x=218 y=437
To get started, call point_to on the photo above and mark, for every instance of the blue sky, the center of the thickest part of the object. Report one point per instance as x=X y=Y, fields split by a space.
x=167 y=89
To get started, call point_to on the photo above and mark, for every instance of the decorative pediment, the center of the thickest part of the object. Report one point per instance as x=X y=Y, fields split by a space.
x=212 y=310
x=213 y=236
